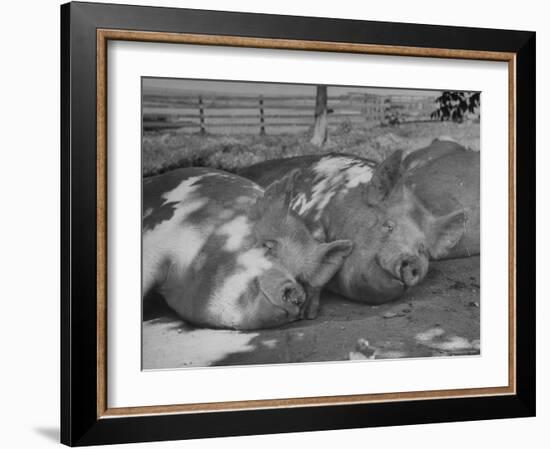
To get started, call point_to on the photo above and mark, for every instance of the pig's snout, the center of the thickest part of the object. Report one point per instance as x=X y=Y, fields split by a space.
x=409 y=270
x=294 y=294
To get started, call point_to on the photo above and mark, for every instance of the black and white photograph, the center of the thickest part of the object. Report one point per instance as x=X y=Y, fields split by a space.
x=290 y=223
x=275 y=224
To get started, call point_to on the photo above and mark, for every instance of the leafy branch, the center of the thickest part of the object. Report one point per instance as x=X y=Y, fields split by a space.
x=455 y=105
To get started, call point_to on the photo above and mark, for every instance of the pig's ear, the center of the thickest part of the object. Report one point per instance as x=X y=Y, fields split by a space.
x=384 y=178
x=445 y=233
x=277 y=194
x=327 y=261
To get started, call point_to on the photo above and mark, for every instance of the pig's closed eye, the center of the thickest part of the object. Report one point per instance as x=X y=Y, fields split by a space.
x=270 y=246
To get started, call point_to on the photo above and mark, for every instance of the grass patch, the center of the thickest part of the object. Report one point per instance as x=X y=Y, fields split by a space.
x=165 y=151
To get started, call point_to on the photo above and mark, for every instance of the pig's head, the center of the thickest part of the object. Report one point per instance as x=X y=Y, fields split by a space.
x=284 y=265
x=394 y=236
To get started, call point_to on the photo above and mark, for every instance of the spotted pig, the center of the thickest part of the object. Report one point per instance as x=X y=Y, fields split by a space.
x=225 y=253
x=348 y=197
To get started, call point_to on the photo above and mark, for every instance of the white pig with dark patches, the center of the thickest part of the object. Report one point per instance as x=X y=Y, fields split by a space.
x=226 y=253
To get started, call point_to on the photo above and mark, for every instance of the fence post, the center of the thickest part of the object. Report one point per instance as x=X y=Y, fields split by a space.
x=201 y=115
x=262 y=121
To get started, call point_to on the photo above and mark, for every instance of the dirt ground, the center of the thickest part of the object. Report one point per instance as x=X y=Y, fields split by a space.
x=439 y=317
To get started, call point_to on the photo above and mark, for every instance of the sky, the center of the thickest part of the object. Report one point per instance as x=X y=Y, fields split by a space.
x=156 y=85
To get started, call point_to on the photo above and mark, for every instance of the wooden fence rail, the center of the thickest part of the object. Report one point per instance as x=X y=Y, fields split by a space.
x=268 y=114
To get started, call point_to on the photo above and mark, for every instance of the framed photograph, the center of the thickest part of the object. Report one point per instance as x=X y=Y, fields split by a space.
x=282 y=224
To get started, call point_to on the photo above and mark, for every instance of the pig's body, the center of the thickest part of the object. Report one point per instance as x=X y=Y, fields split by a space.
x=445 y=177
x=347 y=197
x=225 y=253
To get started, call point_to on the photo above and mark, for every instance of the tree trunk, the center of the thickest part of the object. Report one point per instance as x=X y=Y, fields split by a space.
x=320 y=128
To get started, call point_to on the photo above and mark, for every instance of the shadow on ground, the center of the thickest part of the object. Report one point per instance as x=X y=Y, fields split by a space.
x=440 y=317
x=49 y=433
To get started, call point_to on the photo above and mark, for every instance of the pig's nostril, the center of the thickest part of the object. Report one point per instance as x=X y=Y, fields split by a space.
x=293 y=295
x=409 y=271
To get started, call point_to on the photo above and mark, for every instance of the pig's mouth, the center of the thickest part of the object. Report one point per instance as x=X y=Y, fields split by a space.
x=397 y=280
x=390 y=276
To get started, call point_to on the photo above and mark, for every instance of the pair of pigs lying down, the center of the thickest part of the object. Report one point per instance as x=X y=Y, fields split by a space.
x=227 y=253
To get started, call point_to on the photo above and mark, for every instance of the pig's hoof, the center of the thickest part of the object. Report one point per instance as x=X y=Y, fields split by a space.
x=312 y=313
